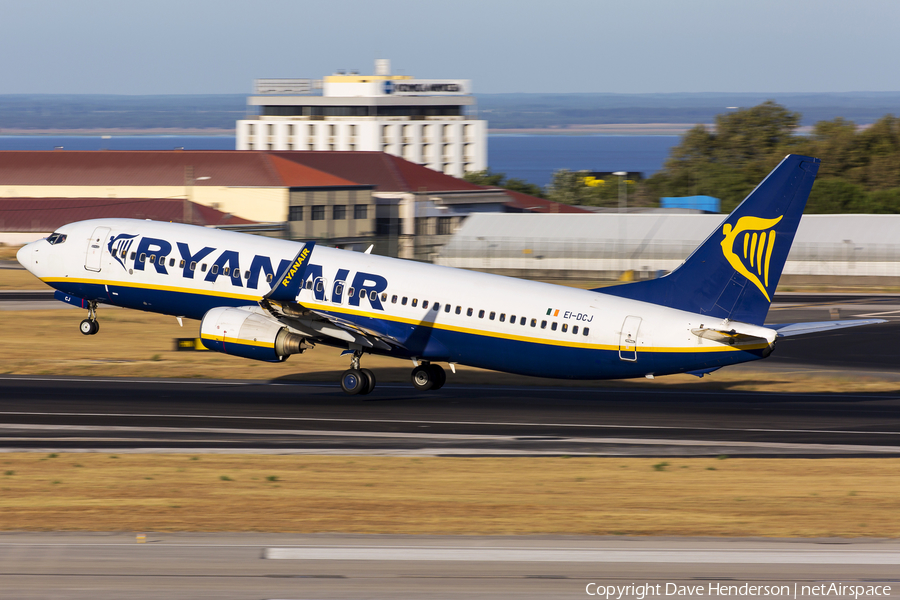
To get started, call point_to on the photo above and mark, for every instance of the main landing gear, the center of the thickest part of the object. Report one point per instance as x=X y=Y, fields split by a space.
x=355 y=380
x=428 y=376
x=91 y=325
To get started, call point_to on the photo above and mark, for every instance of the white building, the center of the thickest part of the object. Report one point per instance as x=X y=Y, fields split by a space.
x=424 y=121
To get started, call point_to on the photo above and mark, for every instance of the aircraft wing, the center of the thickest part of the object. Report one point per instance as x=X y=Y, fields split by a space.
x=320 y=324
x=789 y=329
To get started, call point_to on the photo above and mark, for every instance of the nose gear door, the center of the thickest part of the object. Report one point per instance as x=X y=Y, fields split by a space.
x=628 y=338
x=95 y=248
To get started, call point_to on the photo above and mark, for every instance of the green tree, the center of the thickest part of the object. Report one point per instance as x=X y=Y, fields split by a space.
x=490 y=179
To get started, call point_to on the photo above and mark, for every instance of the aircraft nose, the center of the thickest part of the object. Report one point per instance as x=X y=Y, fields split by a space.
x=25 y=256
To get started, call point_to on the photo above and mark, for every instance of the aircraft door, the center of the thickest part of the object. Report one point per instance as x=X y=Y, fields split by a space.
x=628 y=338
x=95 y=248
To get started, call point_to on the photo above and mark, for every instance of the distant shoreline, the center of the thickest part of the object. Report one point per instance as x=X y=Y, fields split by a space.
x=93 y=132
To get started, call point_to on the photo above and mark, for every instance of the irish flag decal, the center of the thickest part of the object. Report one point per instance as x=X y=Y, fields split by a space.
x=553 y=312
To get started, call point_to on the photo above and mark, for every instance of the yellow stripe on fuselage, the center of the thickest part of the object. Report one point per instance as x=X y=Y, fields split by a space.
x=383 y=316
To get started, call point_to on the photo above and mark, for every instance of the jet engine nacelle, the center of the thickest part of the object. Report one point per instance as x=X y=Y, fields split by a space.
x=240 y=332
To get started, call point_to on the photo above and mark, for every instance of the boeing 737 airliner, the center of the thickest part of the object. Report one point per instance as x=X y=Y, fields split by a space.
x=266 y=299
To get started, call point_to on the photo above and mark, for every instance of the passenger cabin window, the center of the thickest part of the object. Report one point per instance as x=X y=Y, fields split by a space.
x=403 y=302
x=493 y=314
x=309 y=282
x=415 y=302
x=193 y=266
x=373 y=296
x=171 y=262
x=394 y=299
x=269 y=278
x=384 y=297
x=320 y=286
x=512 y=319
x=143 y=258
x=350 y=292
x=575 y=330
x=436 y=307
x=586 y=330
x=553 y=326
x=458 y=309
x=480 y=314
x=125 y=253
x=469 y=313
x=424 y=304
x=226 y=270
x=446 y=308
x=236 y=274
x=203 y=267
x=338 y=289
x=565 y=327
x=534 y=322
x=522 y=321
x=246 y=274
x=152 y=258
x=543 y=324
x=133 y=255
x=181 y=265
x=215 y=269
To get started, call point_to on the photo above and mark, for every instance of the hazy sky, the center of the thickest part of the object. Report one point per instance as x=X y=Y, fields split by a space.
x=633 y=46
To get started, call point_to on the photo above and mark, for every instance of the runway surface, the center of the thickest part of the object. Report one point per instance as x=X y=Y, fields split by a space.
x=229 y=566
x=70 y=414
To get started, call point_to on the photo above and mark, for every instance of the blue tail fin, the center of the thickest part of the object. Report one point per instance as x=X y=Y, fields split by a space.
x=733 y=274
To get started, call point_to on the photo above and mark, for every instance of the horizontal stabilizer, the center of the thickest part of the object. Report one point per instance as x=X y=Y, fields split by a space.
x=289 y=282
x=789 y=329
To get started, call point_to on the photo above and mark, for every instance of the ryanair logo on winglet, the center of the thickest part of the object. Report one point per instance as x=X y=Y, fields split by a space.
x=758 y=239
x=298 y=264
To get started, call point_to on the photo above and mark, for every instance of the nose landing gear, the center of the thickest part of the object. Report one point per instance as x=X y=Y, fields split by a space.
x=91 y=325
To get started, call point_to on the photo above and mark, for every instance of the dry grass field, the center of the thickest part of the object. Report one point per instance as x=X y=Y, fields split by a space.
x=310 y=494
x=138 y=344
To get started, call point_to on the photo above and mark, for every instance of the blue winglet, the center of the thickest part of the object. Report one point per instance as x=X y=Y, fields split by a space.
x=734 y=273
x=288 y=284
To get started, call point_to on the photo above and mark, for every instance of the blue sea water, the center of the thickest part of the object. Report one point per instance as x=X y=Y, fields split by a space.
x=532 y=158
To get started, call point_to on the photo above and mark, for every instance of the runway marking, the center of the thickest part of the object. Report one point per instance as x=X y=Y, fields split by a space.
x=481 y=554
x=879 y=314
x=491 y=388
x=406 y=422
x=443 y=437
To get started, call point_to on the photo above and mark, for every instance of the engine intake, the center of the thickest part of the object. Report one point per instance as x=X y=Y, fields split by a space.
x=240 y=332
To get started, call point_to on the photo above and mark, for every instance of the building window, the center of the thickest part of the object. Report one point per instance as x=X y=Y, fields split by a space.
x=360 y=211
x=339 y=212
x=444 y=225
x=295 y=213
x=318 y=212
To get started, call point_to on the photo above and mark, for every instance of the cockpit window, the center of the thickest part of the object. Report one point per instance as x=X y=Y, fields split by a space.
x=56 y=238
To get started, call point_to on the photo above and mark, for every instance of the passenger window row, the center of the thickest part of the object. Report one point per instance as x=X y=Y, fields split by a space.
x=227 y=271
x=491 y=317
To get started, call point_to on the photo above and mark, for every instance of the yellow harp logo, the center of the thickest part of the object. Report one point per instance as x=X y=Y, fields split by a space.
x=758 y=244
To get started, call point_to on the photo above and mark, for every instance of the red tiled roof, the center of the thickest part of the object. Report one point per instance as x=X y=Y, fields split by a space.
x=245 y=168
x=386 y=172
x=46 y=214
x=524 y=202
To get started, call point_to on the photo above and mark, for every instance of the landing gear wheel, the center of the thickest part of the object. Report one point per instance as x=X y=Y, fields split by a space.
x=353 y=381
x=439 y=376
x=96 y=325
x=423 y=378
x=87 y=327
x=370 y=382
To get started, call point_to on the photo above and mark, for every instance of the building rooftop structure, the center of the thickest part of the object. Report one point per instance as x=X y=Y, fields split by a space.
x=425 y=121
